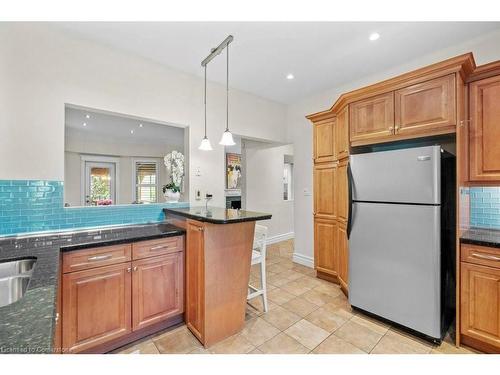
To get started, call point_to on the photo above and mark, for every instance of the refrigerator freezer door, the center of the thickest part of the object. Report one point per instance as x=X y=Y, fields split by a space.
x=411 y=175
x=394 y=264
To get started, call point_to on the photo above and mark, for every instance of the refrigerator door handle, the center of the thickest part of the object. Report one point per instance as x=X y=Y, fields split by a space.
x=349 y=193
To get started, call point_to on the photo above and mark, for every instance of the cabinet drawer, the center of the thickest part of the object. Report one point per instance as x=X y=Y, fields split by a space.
x=486 y=256
x=162 y=246
x=79 y=260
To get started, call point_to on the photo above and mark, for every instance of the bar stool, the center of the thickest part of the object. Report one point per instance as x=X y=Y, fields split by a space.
x=259 y=256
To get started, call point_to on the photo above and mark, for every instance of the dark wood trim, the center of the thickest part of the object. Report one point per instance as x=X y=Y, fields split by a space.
x=327 y=277
x=478 y=345
x=484 y=71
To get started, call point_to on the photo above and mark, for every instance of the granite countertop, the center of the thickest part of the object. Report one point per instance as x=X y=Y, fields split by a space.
x=27 y=325
x=217 y=215
x=482 y=237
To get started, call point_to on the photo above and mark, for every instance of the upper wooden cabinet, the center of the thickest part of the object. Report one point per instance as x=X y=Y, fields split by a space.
x=342 y=134
x=325 y=180
x=371 y=118
x=484 y=132
x=426 y=108
x=324 y=146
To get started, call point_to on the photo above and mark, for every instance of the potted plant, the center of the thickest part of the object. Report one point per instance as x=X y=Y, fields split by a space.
x=174 y=162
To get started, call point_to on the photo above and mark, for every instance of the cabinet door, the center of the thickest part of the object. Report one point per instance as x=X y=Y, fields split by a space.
x=96 y=306
x=342 y=134
x=341 y=189
x=426 y=108
x=325 y=178
x=480 y=303
x=195 y=278
x=371 y=119
x=324 y=146
x=157 y=289
x=343 y=250
x=484 y=134
x=325 y=246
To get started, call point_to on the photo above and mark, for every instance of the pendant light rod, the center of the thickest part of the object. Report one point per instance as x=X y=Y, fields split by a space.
x=205 y=100
x=217 y=50
x=227 y=87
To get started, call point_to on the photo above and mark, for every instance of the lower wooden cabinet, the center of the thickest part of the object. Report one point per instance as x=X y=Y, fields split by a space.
x=343 y=254
x=96 y=306
x=325 y=246
x=157 y=289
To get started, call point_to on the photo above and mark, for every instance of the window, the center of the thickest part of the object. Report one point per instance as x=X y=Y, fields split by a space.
x=146 y=181
x=288 y=179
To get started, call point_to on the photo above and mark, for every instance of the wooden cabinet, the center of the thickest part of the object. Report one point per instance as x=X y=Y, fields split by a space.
x=343 y=254
x=157 y=289
x=195 y=278
x=323 y=144
x=484 y=132
x=426 y=108
x=342 y=134
x=342 y=196
x=325 y=180
x=325 y=246
x=96 y=306
x=371 y=119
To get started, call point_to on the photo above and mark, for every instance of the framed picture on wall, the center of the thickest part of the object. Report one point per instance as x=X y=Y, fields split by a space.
x=233 y=171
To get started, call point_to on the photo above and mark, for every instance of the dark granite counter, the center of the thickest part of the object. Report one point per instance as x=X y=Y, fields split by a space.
x=216 y=215
x=27 y=326
x=481 y=237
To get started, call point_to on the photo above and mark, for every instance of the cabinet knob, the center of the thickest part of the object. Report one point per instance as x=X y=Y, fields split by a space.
x=396 y=127
x=135 y=268
x=129 y=269
x=200 y=229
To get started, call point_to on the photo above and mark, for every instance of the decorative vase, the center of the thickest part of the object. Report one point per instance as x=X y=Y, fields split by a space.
x=171 y=196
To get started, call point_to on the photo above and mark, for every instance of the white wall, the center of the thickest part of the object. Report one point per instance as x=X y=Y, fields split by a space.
x=485 y=49
x=263 y=172
x=41 y=69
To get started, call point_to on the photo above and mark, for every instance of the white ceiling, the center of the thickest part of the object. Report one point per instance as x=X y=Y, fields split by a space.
x=320 y=55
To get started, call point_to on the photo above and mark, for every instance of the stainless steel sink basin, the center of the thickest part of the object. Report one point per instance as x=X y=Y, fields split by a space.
x=14 y=279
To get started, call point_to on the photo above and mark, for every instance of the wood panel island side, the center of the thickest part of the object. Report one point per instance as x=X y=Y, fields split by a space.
x=218 y=254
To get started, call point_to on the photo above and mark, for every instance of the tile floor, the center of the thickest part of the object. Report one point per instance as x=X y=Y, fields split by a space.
x=306 y=315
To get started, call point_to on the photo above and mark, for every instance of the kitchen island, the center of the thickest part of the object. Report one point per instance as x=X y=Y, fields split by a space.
x=218 y=254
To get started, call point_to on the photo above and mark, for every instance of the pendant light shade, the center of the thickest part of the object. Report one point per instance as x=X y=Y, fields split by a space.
x=205 y=145
x=227 y=137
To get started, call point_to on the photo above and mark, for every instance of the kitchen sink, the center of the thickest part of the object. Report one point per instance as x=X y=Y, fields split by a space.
x=14 y=279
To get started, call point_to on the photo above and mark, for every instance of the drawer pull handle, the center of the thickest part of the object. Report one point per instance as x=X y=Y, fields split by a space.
x=99 y=257
x=159 y=247
x=487 y=257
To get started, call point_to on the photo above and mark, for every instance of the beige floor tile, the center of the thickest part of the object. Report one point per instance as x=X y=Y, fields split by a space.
x=258 y=331
x=201 y=350
x=145 y=347
x=360 y=336
x=291 y=275
x=280 y=317
x=310 y=282
x=283 y=344
x=333 y=290
x=325 y=319
x=300 y=306
x=295 y=287
x=317 y=297
x=277 y=280
x=177 y=341
x=235 y=344
x=371 y=323
x=307 y=334
x=276 y=268
x=343 y=310
x=335 y=345
x=279 y=296
x=255 y=351
x=394 y=343
x=256 y=305
x=448 y=348
x=302 y=269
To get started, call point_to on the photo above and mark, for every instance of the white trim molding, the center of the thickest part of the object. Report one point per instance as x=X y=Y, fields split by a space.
x=303 y=259
x=280 y=237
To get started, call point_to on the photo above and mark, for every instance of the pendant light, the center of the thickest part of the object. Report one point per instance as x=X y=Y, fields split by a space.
x=227 y=137
x=205 y=143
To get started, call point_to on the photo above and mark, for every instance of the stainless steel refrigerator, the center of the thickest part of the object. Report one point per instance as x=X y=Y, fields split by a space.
x=395 y=230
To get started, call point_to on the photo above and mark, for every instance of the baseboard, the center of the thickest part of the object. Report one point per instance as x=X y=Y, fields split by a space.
x=279 y=238
x=304 y=260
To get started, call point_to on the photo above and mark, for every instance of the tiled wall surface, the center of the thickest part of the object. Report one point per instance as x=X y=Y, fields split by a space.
x=36 y=205
x=485 y=207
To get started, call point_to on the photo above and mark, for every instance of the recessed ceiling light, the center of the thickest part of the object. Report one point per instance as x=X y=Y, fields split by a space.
x=290 y=76
x=87 y=116
x=131 y=132
x=374 y=36
x=84 y=124
x=140 y=125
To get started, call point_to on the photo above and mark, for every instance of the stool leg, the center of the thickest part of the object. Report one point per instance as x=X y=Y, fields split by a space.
x=264 y=283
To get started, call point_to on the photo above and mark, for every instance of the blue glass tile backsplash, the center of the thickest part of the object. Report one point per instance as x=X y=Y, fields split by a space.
x=37 y=205
x=485 y=207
